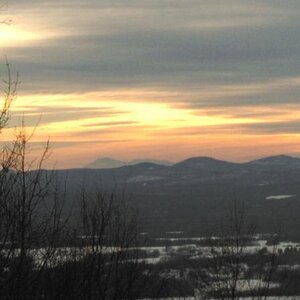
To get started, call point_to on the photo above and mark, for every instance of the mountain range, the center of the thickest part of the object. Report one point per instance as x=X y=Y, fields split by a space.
x=196 y=194
x=197 y=162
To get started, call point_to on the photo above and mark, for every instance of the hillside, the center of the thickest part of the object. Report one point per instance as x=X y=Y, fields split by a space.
x=194 y=195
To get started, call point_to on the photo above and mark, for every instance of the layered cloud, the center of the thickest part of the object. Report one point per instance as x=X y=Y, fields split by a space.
x=129 y=71
x=175 y=44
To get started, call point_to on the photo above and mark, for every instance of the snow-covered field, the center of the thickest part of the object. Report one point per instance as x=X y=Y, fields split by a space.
x=195 y=251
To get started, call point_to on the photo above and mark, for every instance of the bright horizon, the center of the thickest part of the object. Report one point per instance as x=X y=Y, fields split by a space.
x=162 y=80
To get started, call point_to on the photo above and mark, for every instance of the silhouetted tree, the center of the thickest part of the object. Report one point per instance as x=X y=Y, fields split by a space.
x=231 y=269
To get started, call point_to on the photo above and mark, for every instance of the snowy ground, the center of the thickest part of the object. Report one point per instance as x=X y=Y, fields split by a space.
x=280 y=197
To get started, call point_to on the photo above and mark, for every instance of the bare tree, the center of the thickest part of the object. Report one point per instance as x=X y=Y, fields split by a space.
x=10 y=92
x=30 y=225
x=104 y=256
x=30 y=209
x=236 y=266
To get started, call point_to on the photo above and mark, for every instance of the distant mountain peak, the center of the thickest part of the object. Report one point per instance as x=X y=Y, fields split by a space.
x=150 y=160
x=205 y=163
x=202 y=159
x=110 y=163
x=105 y=163
x=277 y=160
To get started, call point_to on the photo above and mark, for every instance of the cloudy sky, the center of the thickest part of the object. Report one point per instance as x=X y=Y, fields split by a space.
x=165 y=79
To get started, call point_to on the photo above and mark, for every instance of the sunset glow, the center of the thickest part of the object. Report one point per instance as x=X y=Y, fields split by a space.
x=11 y=36
x=110 y=122
x=124 y=82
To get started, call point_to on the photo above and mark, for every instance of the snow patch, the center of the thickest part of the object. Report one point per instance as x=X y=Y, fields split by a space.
x=280 y=197
x=143 y=178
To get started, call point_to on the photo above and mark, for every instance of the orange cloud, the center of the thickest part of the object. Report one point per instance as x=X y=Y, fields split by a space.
x=130 y=124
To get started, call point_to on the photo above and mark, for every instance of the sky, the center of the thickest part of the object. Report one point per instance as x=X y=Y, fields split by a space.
x=162 y=79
